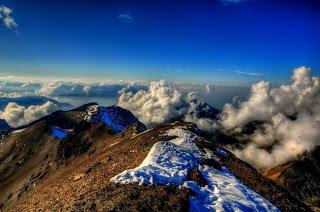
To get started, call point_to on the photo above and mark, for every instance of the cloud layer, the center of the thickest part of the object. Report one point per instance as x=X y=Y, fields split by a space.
x=290 y=115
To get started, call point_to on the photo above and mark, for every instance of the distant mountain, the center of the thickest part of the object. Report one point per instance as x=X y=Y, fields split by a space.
x=202 y=110
x=97 y=158
x=27 y=101
x=116 y=117
x=198 y=110
x=300 y=177
x=4 y=126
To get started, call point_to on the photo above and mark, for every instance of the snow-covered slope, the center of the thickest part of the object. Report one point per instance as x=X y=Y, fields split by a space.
x=169 y=162
x=44 y=165
x=224 y=193
x=58 y=132
x=116 y=117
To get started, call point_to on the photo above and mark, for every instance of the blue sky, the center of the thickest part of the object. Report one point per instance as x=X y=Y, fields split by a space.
x=225 y=41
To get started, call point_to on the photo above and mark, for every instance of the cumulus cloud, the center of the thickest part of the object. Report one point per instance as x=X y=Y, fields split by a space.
x=290 y=115
x=162 y=102
x=16 y=115
x=8 y=20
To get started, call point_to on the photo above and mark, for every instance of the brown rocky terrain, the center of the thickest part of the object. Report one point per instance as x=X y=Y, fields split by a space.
x=301 y=178
x=42 y=172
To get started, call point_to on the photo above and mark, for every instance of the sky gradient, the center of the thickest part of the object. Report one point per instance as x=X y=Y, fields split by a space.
x=226 y=41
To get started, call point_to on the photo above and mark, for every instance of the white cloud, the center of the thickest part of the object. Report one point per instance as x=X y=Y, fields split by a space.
x=48 y=89
x=13 y=94
x=281 y=138
x=86 y=89
x=125 y=17
x=6 y=11
x=6 y=77
x=158 y=104
x=8 y=20
x=23 y=85
x=162 y=102
x=16 y=115
x=14 y=86
x=248 y=73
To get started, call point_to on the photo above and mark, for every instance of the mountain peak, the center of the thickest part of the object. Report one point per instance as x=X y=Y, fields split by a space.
x=114 y=116
x=83 y=156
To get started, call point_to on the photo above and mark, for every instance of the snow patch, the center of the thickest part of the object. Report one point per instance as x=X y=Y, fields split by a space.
x=113 y=144
x=58 y=132
x=141 y=133
x=117 y=118
x=222 y=152
x=17 y=131
x=168 y=162
x=91 y=110
x=225 y=193
x=2 y=138
x=210 y=155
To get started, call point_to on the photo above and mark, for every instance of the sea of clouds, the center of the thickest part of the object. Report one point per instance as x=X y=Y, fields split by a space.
x=289 y=114
x=175 y=99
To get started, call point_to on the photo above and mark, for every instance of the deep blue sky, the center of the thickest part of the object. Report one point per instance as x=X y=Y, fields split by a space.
x=177 y=40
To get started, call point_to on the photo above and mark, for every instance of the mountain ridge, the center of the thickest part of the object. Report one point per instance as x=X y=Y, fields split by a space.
x=38 y=170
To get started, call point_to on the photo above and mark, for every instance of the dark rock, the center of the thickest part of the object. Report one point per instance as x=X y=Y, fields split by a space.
x=195 y=175
x=4 y=126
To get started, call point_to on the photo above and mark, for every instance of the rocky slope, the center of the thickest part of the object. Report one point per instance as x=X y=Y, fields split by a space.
x=301 y=177
x=84 y=158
